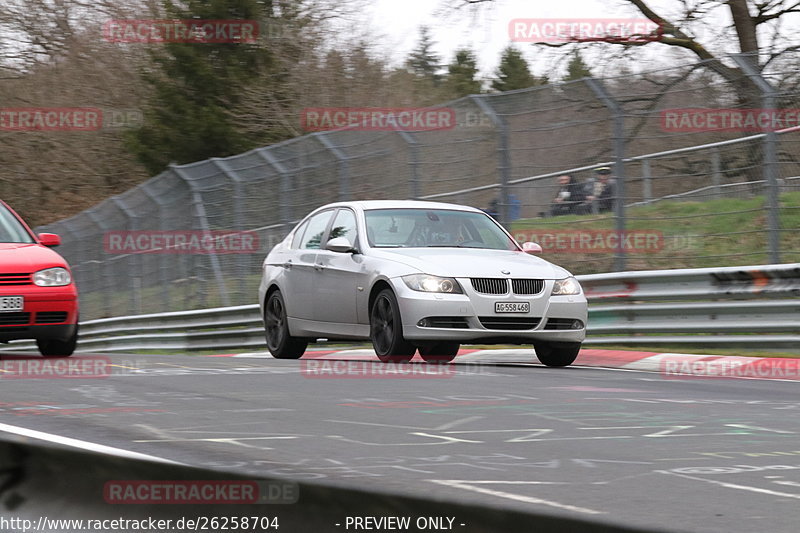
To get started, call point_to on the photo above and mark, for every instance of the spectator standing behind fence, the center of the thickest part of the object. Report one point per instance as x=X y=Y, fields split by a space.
x=600 y=192
x=568 y=198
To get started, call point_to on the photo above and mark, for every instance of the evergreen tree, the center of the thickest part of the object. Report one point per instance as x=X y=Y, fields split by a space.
x=194 y=84
x=513 y=72
x=461 y=74
x=577 y=68
x=423 y=61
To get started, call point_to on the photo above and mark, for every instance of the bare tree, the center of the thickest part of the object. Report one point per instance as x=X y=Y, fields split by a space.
x=758 y=29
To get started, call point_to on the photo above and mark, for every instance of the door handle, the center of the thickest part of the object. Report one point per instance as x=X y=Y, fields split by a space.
x=288 y=264
x=319 y=267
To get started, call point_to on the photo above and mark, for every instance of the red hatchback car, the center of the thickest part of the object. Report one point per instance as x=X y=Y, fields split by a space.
x=38 y=299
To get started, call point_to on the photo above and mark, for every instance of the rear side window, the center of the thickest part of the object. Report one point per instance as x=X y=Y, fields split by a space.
x=312 y=237
x=298 y=235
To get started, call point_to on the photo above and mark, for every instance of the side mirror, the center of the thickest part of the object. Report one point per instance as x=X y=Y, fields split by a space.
x=531 y=248
x=339 y=245
x=49 y=239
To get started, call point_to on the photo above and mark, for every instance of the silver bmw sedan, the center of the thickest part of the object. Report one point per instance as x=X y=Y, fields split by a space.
x=416 y=276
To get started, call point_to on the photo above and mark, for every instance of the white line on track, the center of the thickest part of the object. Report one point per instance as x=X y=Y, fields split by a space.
x=733 y=485
x=470 y=485
x=82 y=444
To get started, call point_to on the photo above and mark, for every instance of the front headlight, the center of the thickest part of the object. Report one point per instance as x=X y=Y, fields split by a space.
x=52 y=277
x=566 y=286
x=427 y=283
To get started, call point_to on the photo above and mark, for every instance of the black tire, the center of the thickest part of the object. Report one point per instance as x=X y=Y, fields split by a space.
x=557 y=353
x=276 y=329
x=441 y=352
x=58 y=348
x=386 y=330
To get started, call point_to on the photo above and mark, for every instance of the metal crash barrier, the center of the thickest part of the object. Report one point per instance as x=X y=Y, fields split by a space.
x=732 y=306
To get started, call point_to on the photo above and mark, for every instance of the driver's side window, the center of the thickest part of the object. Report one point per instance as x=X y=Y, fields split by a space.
x=344 y=225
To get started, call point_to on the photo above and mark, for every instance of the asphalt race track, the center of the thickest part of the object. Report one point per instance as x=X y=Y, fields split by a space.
x=626 y=447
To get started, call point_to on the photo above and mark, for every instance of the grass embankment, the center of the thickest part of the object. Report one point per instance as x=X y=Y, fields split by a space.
x=723 y=232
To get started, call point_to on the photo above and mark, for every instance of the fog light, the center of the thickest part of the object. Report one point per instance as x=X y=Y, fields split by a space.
x=577 y=324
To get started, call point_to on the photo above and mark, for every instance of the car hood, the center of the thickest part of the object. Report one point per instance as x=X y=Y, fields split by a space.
x=474 y=263
x=27 y=258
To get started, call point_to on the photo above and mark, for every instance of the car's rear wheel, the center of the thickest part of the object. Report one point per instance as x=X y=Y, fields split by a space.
x=276 y=327
x=57 y=347
x=557 y=353
x=386 y=330
x=441 y=352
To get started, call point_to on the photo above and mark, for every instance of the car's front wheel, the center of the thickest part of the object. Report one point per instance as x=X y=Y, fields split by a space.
x=441 y=352
x=58 y=348
x=276 y=327
x=557 y=353
x=386 y=330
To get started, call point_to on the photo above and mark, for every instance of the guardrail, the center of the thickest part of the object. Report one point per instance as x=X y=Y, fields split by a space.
x=732 y=306
x=737 y=306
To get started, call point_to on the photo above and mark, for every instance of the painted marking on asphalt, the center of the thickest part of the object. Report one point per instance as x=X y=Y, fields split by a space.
x=733 y=485
x=470 y=486
x=82 y=444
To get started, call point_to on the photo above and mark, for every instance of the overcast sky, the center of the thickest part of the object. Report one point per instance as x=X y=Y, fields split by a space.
x=395 y=24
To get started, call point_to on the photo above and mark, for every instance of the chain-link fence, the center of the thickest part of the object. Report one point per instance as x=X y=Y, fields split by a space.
x=684 y=192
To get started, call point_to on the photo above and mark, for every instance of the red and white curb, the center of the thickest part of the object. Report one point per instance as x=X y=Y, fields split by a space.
x=670 y=365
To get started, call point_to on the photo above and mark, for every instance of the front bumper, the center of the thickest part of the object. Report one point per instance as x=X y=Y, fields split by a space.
x=48 y=313
x=471 y=316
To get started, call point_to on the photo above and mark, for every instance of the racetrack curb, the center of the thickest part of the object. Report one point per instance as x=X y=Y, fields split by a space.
x=670 y=365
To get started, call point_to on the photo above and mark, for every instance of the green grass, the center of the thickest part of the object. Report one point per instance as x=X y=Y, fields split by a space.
x=723 y=232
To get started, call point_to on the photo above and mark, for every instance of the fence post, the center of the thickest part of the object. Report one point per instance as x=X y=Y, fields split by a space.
x=770 y=163
x=647 y=181
x=413 y=146
x=287 y=213
x=619 y=163
x=200 y=211
x=78 y=266
x=238 y=212
x=163 y=259
x=716 y=171
x=133 y=260
x=344 y=165
x=503 y=156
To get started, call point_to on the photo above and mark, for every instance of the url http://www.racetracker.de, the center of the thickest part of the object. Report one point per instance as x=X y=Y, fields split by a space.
x=46 y=524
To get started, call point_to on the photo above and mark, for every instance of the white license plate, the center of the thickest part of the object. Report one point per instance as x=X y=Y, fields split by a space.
x=512 y=307
x=11 y=303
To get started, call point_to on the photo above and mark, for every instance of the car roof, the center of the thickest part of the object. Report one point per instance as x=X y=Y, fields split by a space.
x=367 y=205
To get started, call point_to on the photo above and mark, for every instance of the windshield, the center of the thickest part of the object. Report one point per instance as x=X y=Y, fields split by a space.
x=10 y=228
x=432 y=228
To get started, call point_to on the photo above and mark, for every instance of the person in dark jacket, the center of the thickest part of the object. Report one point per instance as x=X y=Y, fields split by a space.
x=568 y=198
x=600 y=192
